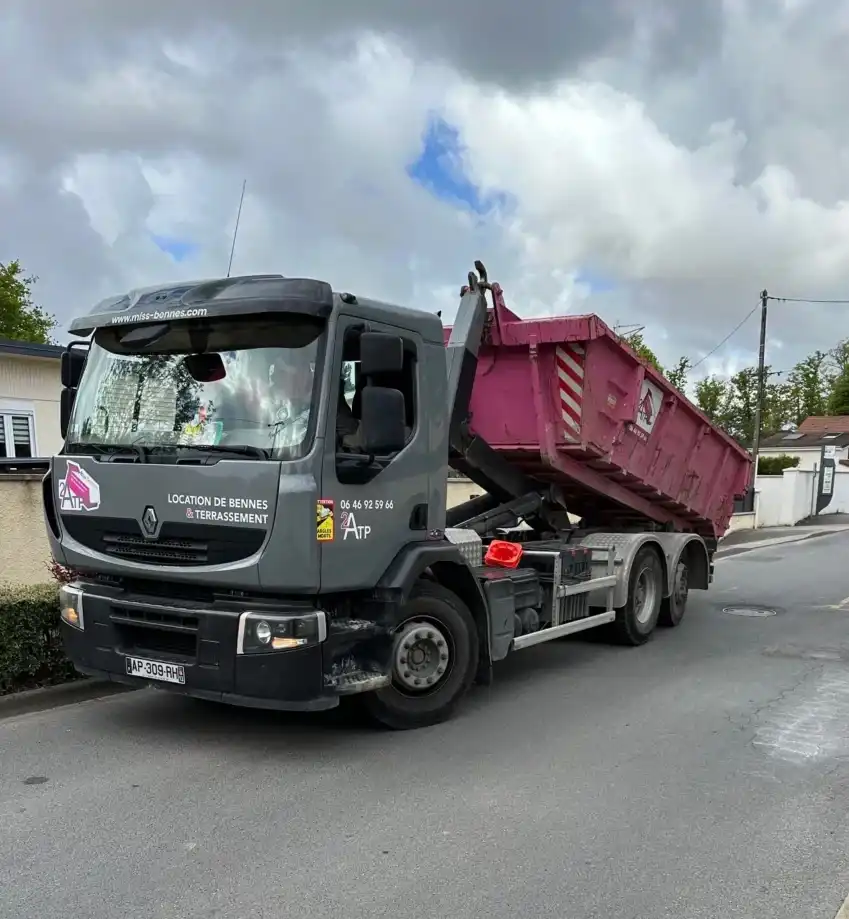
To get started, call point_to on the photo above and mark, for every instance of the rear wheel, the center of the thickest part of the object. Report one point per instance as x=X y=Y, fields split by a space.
x=637 y=619
x=673 y=607
x=434 y=659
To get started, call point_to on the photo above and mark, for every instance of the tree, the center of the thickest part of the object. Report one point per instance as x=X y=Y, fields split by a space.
x=677 y=376
x=635 y=341
x=817 y=385
x=807 y=387
x=838 y=400
x=348 y=381
x=20 y=318
x=713 y=397
x=838 y=360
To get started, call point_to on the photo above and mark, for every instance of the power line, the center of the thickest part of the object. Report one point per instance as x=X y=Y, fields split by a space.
x=804 y=300
x=724 y=340
x=748 y=316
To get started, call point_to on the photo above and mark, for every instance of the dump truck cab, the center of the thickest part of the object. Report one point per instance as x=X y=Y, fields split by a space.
x=248 y=442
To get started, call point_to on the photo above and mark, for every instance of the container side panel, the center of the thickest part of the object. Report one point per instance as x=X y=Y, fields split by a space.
x=588 y=415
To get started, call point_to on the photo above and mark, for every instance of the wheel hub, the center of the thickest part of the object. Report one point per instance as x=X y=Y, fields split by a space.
x=644 y=596
x=422 y=656
x=682 y=583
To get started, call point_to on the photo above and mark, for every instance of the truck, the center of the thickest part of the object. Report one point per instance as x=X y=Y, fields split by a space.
x=251 y=495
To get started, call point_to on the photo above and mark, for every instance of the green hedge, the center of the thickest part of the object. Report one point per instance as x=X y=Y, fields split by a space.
x=775 y=465
x=30 y=646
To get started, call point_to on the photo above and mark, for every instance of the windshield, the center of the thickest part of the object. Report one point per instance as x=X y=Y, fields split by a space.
x=251 y=393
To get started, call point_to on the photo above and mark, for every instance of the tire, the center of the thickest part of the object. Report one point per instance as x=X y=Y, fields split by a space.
x=673 y=607
x=433 y=614
x=637 y=619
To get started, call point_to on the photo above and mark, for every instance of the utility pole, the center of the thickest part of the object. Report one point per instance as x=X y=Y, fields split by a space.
x=756 y=440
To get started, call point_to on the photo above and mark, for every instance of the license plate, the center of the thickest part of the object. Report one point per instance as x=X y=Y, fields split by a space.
x=155 y=670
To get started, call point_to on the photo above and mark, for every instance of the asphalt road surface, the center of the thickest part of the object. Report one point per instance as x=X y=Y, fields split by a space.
x=703 y=775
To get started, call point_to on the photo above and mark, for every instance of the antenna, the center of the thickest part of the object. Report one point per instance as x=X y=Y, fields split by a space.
x=631 y=328
x=236 y=230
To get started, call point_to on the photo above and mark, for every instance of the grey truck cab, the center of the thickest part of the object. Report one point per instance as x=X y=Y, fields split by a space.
x=253 y=475
x=252 y=500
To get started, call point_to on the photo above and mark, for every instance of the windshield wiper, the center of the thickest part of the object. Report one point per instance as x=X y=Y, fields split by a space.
x=96 y=449
x=243 y=449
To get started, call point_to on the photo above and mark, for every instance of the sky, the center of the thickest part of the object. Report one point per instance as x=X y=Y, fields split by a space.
x=657 y=162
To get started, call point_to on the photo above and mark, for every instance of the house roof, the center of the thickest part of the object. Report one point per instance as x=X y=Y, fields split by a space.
x=820 y=424
x=794 y=440
x=30 y=349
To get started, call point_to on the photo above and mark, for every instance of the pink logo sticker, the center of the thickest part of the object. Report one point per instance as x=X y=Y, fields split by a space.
x=78 y=491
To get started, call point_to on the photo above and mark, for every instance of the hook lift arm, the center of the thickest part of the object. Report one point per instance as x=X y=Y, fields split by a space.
x=469 y=454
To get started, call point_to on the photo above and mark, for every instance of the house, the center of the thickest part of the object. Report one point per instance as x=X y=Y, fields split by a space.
x=30 y=387
x=807 y=441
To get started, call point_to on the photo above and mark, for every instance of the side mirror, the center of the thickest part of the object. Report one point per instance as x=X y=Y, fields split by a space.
x=381 y=353
x=72 y=364
x=66 y=406
x=383 y=420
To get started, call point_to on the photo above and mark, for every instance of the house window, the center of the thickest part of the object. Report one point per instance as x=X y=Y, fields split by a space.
x=17 y=435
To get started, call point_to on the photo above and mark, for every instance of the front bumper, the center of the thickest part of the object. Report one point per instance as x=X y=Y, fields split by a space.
x=202 y=639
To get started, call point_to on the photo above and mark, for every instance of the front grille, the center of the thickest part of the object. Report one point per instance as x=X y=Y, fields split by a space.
x=177 y=543
x=180 y=622
x=160 y=552
x=147 y=631
x=169 y=591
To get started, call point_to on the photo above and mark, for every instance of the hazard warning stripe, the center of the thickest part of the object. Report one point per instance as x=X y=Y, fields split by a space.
x=569 y=360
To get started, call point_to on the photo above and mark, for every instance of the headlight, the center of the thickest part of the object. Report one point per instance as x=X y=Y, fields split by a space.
x=262 y=632
x=71 y=606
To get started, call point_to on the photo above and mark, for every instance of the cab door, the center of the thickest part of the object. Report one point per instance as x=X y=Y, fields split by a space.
x=366 y=514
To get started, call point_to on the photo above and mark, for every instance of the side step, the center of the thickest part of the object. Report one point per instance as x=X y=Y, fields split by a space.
x=347 y=684
x=559 y=631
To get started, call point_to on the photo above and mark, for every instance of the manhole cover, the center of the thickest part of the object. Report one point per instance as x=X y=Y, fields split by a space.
x=755 y=612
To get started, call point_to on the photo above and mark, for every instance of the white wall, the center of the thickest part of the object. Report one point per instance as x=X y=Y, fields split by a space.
x=745 y=520
x=24 y=550
x=784 y=500
x=32 y=386
x=799 y=494
x=770 y=497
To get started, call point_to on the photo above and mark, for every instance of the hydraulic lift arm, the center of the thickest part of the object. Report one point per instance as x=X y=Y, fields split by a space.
x=469 y=454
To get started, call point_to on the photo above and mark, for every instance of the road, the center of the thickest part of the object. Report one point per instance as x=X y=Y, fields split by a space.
x=705 y=774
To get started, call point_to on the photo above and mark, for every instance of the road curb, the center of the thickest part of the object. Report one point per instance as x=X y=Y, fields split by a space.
x=48 y=697
x=769 y=543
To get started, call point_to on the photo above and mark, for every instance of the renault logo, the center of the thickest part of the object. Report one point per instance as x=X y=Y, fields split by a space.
x=149 y=521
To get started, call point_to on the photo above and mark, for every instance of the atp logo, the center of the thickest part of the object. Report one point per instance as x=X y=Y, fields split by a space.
x=350 y=527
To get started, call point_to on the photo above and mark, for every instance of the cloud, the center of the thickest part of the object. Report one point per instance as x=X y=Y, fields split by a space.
x=658 y=163
x=500 y=42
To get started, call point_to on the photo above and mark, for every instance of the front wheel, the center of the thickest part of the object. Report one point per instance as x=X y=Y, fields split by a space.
x=434 y=660
x=637 y=619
